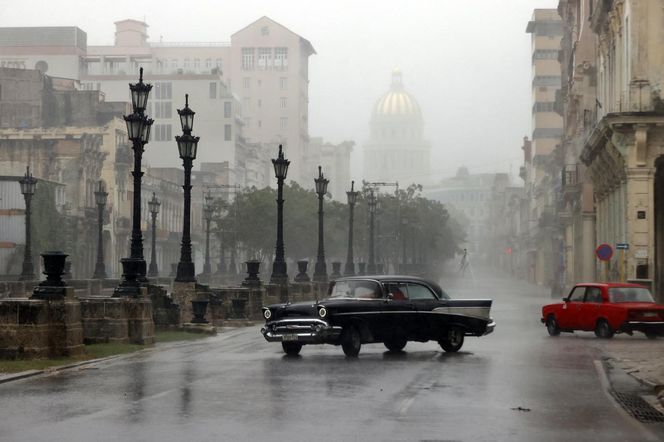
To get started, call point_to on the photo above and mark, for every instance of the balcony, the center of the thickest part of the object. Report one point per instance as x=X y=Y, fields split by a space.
x=570 y=181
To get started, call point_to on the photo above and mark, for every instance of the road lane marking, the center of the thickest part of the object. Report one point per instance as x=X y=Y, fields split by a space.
x=405 y=405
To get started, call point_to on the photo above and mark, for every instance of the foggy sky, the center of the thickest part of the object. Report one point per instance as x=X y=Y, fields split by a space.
x=466 y=62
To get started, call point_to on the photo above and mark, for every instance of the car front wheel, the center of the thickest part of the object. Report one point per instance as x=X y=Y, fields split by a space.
x=291 y=348
x=552 y=326
x=453 y=341
x=603 y=330
x=350 y=341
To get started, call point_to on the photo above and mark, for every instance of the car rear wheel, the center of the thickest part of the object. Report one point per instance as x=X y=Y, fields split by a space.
x=291 y=348
x=350 y=341
x=552 y=326
x=396 y=343
x=453 y=341
x=603 y=329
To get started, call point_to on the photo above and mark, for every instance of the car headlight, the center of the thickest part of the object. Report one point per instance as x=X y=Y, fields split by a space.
x=322 y=312
x=267 y=314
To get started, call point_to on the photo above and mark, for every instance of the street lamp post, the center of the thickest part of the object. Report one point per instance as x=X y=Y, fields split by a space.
x=187 y=146
x=153 y=205
x=349 y=269
x=279 y=274
x=320 y=272
x=28 y=184
x=371 y=267
x=100 y=198
x=208 y=211
x=138 y=131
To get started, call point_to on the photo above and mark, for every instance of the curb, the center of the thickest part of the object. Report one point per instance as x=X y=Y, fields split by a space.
x=31 y=373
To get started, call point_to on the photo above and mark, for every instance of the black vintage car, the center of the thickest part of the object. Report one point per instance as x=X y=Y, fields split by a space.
x=369 y=309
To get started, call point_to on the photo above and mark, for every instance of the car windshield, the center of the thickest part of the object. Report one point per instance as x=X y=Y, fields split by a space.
x=355 y=289
x=630 y=294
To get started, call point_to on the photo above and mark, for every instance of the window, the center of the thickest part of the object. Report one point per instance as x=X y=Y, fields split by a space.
x=163 y=91
x=246 y=104
x=264 y=58
x=577 y=294
x=247 y=59
x=174 y=63
x=186 y=63
x=260 y=123
x=284 y=122
x=227 y=109
x=280 y=58
x=283 y=83
x=197 y=63
x=354 y=289
x=163 y=109
x=416 y=291
x=283 y=102
x=213 y=90
x=544 y=106
x=227 y=132
x=246 y=82
x=208 y=63
x=260 y=102
x=162 y=132
x=593 y=294
x=398 y=290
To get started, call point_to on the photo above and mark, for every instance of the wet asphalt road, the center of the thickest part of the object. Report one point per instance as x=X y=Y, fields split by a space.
x=237 y=387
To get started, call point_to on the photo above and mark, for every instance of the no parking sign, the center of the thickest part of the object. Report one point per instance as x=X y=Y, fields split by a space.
x=604 y=252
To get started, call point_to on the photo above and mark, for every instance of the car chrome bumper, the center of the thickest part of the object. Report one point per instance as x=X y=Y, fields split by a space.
x=656 y=327
x=309 y=331
x=489 y=327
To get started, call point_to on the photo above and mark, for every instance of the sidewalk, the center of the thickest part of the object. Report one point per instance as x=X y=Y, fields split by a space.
x=642 y=358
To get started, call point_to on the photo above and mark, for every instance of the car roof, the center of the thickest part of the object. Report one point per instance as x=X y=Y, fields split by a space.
x=387 y=278
x=610 y=284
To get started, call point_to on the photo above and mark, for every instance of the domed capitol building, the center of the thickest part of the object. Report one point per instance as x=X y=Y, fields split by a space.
x=396 y=150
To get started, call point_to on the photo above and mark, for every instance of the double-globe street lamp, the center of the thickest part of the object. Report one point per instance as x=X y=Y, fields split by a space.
x=138 y=131
x=100 y=199
x=349 y=269
x=187 y=146
x=320 y=271
x=28 y=184
x=153 y=206
x=279 y=274
x=208 y=212
x=371 y=267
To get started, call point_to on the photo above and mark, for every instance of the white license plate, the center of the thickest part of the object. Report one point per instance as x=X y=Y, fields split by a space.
x=289 y=337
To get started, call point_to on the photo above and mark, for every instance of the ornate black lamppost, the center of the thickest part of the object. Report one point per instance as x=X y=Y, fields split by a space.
x=28 y=184
x=371 y=267
x=138 y=131
x=279 y=275
x=100 y=198
x=208 y=212
x=153 y=205
x=187 y=146
x=349 y=269
x=320 y=271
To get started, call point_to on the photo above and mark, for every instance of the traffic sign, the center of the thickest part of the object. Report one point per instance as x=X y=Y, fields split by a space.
x=622 y=246
x=604 y=252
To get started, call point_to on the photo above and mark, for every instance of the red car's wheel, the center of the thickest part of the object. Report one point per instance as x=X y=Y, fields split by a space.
x=603 y=329
x=552 y=326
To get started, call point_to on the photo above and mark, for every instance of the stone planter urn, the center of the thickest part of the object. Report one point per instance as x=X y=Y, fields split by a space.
x=53 y=286
x=199 y=307
x=302 y=271
x=253 y=268
x=362 y=268
x=336 y=270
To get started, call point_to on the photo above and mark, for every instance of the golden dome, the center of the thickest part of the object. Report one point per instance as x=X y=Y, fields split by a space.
x=397 y=102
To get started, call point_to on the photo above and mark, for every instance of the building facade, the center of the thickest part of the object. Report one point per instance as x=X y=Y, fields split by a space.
x=542 y=175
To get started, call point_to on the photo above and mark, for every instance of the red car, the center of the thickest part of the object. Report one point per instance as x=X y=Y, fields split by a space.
x=606 y=309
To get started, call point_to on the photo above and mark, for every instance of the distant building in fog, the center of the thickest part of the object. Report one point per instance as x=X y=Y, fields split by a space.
x=251 y=90
x=397 y=150
x=467 y=197
x=335 y=161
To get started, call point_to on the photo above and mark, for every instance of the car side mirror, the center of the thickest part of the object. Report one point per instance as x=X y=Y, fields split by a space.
x=565 y=299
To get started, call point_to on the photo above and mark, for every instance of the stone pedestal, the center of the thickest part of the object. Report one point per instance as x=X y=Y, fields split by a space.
x=140 y=325
x=183 y=293
x=104 y=320
x=41 y=328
